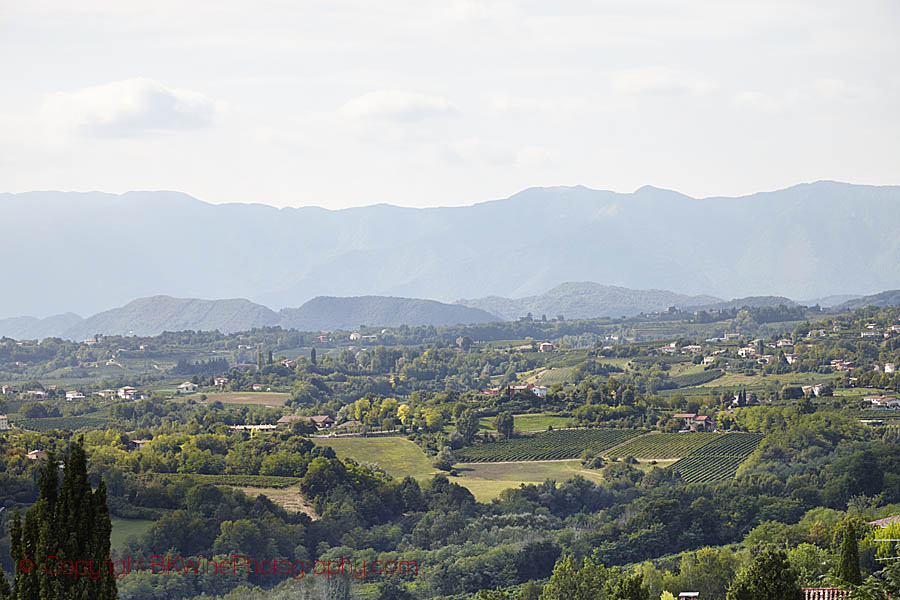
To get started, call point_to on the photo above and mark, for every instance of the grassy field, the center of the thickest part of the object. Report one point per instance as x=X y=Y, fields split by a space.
x=255 y=398
x=527 y=422
x=122 y=529
x=486 y=481
x=398 y=456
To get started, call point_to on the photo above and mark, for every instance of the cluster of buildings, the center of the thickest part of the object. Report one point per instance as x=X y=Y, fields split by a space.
x=695 y=422
x=538 y=390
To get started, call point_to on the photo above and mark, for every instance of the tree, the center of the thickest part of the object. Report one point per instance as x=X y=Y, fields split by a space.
x=445 y=460
x=768 y=577
x=70 y=520
x=629 y=587
x=504 y=423
x=5 y=592
x=312 y=356
x=467 y=424
x=848 y=565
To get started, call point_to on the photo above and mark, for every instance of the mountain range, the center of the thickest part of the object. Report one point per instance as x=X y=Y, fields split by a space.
x=574 y=300
x=89 y=252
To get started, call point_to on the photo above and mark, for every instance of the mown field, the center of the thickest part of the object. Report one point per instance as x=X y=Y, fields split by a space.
x=254 y=398
x=398 y=456
x=551 y=445
x=528 y=422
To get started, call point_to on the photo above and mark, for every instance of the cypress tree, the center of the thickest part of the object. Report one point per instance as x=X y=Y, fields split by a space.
x=5 y=592
x=71 y=521
x=848 y=568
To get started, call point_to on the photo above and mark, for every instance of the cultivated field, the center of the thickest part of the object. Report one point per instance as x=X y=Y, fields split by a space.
x=552 y=445
x=663 y=445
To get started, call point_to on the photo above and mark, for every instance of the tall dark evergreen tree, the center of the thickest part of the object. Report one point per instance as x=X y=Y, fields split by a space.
x=70 y=521
x=848 y=567
x=312 y=356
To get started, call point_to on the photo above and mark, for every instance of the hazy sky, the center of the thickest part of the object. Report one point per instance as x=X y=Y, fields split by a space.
x=419 y=103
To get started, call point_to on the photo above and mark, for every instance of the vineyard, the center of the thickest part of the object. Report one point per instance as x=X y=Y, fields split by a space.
x=664 y=445
x=552 y=445
x=718 y=459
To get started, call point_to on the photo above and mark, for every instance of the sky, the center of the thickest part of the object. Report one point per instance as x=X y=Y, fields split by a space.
x=447 y=102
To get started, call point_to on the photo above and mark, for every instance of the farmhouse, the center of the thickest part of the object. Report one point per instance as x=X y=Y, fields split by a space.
x=262 y=428
x=784 y=343
x=320 y=421
x=106 y=394
x=694 y=422
x=545 y=347
x=187 y=388
x=36 y=455
x=74 y=395
x=4 y=423
x=708 y=360
x=220 y=381
x=36 y=394
x=138 y=444
x=883 y=401
x=127 y=393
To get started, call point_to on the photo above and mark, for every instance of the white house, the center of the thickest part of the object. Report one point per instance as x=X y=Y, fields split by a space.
x=187 y=388
x=127 y=393
x=4 y=423
x=74 y=395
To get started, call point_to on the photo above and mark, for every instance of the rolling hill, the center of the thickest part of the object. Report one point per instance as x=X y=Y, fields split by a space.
x=587 y=300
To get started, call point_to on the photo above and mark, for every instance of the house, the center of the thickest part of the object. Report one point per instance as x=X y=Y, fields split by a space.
x=890 y=367
x=491 y=392
x=784 y=343
x=257 y=387
x=545 y=347
x=6 y=390
x=36 y=455
x=320 y=421
x=127 y=393
x=883 y=401
x=36 y=394
x=540 y=391
x=830 y=593
x=220 y=381
x=791 y=358
x=691 y=349
x=884 y=523
x=74 y=395
x=867 y=333
x=262 y=428
x=187 y=388
x=106 y=394
x=355 y=336
x=138 y=444
x=708 y=360
x=322 y=338
x=4 y=423
x=290 y=364
x=747 y=352
x=694 y=422
x=689 y=595
x=731 y=336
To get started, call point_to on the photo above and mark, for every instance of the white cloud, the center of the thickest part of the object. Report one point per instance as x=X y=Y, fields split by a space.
x=397 y=106
x=482 y=152
x=128 y=108
x=657 y=81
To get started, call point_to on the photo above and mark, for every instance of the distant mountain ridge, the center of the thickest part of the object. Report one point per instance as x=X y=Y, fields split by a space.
x=881 y=299
x=807 y=241
x=587 y=300
x=153 y=315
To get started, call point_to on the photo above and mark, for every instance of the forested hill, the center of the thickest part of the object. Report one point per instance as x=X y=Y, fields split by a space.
x=806 y=241
x=587 y=300
x=350 y=313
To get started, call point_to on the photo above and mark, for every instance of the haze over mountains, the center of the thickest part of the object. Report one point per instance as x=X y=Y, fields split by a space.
x=575 y=300
x=89 y=252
